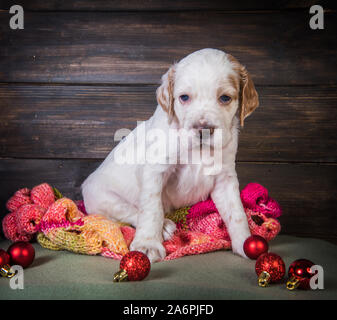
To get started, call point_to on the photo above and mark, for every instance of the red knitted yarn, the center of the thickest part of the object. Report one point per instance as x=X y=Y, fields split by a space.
x=28 y=217
x=255 y=197
x=110 y=254
x=260 y=225
x=192 y=242
x=27 y=208
x=19 y=198
x=11 y=231
x=128 y=234
x=201 y=208
x=43 y=195
x=253 y=193
x=210 y=224
x=204 y=247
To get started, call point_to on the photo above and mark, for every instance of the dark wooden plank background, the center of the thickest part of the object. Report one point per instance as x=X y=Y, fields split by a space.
x=164 y=5
x=82 y=69
x=41 y=121
x=278 y=48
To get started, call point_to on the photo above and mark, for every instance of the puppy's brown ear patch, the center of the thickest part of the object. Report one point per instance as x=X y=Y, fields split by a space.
x=165 y=93
x=249 y=97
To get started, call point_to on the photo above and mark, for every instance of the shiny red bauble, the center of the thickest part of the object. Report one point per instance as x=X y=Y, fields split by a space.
x=21 y=253
x=299 y=274
x=254 y=246
x=134 y=266
x=270 y=268
x=4 y=258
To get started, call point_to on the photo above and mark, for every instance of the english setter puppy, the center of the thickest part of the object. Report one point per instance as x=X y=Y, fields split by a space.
x=204 y=97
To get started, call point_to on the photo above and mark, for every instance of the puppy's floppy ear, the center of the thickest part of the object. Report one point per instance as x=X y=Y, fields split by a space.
x=165 y=93
x=249 y=99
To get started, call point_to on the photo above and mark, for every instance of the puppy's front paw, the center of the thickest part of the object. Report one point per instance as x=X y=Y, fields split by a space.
x=168 y=229
x=237 y=244
x=154 y=250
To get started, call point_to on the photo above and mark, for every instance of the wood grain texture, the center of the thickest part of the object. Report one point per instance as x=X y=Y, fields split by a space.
x=291 y=124
x=82 y=69
x=306 y=192
x=155 y=5
x=278 y=48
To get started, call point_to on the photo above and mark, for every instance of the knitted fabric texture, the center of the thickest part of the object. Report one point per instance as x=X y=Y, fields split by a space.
x=66 y=227
x=28 y=217
x=26 y=210
x=255 y=197
x=19 y=198
x=11 y=231
x=64 y=224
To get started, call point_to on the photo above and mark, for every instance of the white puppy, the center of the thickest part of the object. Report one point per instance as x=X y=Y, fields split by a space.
x=203 y=92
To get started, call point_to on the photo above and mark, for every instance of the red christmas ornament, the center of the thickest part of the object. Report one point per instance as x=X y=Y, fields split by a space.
x=270 y=268
x=5 y=269
x=134 y=266
x=21 y=253
x=299 y=274
x=4 y=258
x=254 y=246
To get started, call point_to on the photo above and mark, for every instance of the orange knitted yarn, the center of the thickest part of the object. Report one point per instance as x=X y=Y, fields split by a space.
x=87 y=235
x=109 y=231
x=62 y=210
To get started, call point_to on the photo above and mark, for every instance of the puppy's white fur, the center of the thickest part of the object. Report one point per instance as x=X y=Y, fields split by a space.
x=141 y=194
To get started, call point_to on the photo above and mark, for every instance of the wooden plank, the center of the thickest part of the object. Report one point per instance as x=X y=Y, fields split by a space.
x=306 y=192
x=278 y=48
x=68 y=122
x=292 y=123
x=154 y=5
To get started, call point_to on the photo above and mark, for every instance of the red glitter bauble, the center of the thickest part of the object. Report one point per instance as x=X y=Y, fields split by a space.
x=4 y=258
x=21 y=253
x=272 y=265
x=299 y=271
x=136 y=264
x=254 y=246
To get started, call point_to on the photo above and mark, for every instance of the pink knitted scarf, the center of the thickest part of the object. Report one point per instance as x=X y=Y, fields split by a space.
x=200 y=228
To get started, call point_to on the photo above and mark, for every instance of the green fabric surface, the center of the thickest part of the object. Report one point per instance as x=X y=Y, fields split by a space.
x=216 y=275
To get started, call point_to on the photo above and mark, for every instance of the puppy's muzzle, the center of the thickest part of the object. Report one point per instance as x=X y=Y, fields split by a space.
x=204 y=130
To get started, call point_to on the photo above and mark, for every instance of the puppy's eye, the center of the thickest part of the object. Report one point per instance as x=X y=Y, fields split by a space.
x=184 y=98
x=225 y=99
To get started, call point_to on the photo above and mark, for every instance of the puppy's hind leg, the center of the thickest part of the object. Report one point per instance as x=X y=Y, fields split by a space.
x=112 y=206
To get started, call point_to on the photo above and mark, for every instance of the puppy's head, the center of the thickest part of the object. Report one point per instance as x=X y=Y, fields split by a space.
x=205 y=91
